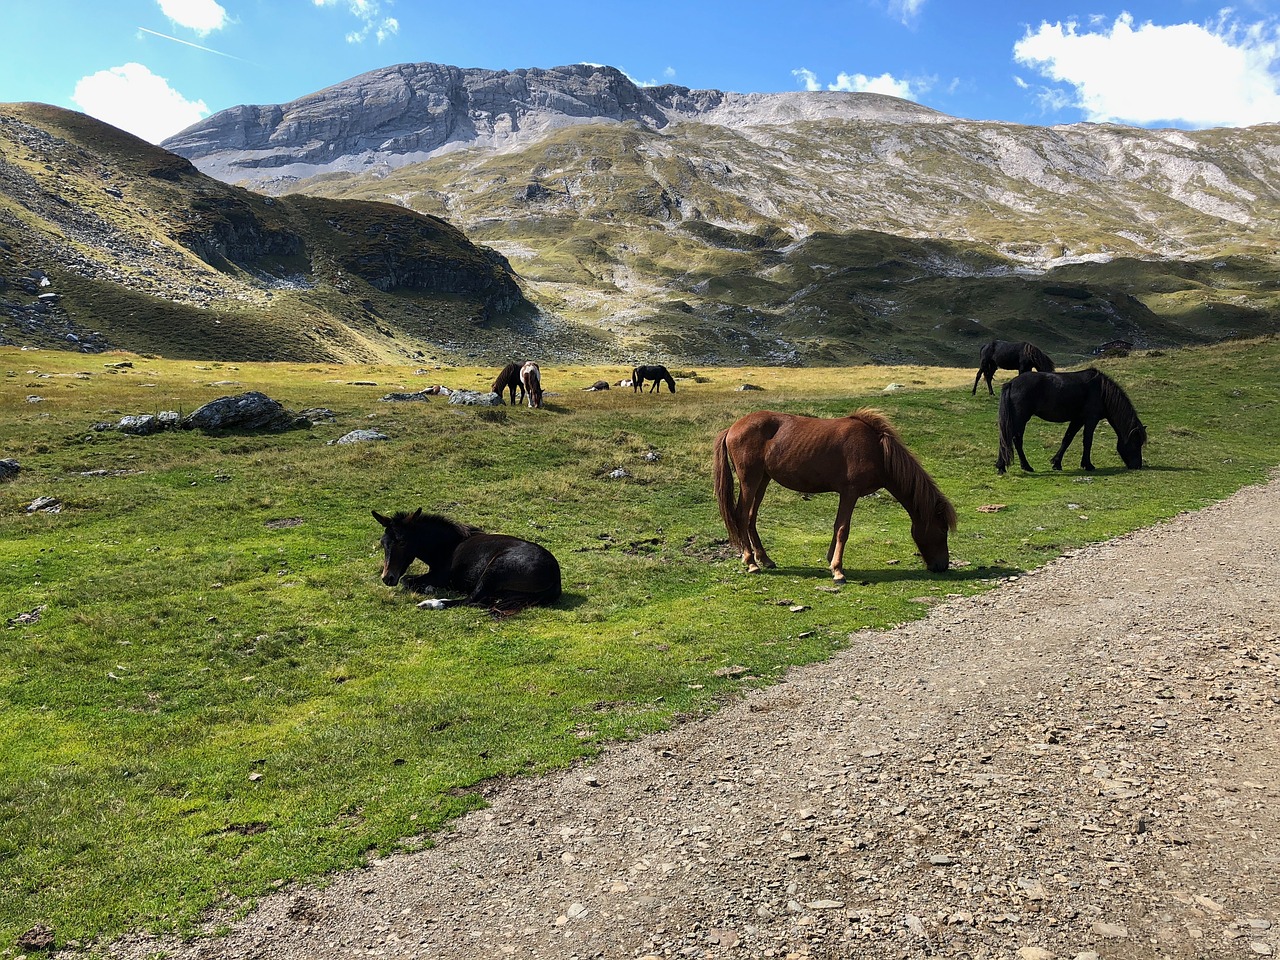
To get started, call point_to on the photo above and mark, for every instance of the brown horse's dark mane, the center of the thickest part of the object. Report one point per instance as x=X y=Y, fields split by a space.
x=908 y=479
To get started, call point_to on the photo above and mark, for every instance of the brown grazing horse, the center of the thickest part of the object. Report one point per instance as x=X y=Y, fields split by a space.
x=509 y=379
x=531 y=377
x=852 y=456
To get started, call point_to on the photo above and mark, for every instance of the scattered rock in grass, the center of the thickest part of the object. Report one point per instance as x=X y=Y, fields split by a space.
x=319 y=415
x=421 y=395
x=245 y=411
x=9 y=469
x=618 y=474
x=359 y=436
x=749 y=386
x=45 y=505
x=472 y=398
x=894 y=388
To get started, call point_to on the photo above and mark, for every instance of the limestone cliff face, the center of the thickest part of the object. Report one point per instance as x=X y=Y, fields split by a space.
x=407 y=113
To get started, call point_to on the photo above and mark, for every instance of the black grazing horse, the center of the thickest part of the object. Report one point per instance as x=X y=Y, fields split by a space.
x=651 y=371
x=1078 y=399
x=502 y=573
x=509 y=379
x=1017 y=355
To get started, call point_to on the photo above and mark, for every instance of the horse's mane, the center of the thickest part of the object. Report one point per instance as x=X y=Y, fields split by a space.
x=911 y=483
x=1120 y=410
x=1039 y=359
x=415 y=518
x=509 y=372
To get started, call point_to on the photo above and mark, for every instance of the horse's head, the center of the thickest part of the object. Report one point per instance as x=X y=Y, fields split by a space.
x=398 y=548
x=930 y=534
x=1129 y=446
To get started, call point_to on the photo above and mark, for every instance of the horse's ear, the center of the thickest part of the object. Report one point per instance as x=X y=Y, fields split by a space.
x=416 y=514
x=385 y=521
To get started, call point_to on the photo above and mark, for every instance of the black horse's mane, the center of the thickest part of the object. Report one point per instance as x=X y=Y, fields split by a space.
x=416 y=518
x=1120 y=410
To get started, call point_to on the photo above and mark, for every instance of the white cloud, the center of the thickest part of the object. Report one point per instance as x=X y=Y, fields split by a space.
x=202 y=16
x=885 y=83
x=1199 y=75
x=860 y=83
x=808 y=78
x=369 y=13
x=908 y=11
x=133 y=98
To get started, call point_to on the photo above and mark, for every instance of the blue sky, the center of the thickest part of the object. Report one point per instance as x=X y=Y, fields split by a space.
x=155 y=66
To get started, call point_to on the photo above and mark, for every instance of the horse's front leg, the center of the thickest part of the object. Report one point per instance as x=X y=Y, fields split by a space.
x=1085 y=460
x=1072 y=429
x=840 y=536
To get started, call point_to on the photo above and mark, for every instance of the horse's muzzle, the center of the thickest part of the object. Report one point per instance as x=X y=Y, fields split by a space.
x=389 y=578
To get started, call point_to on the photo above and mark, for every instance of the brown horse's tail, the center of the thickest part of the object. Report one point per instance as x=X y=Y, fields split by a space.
x=906 y=477
x=722 y=470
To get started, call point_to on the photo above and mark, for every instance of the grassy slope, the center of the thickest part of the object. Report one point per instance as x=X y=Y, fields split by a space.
x=220 y=694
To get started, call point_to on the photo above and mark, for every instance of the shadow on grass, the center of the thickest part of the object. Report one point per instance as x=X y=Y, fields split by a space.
x=866 y=578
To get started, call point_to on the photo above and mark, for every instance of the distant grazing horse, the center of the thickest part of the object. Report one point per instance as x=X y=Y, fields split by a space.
x=1078 y=399
x=531 y=377
x=502 y=573
x=1017 y=355
x=509 y=379
x=655 y=372
x=852 y=456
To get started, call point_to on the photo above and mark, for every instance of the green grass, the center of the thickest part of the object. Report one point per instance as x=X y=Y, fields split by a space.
x=220 y=695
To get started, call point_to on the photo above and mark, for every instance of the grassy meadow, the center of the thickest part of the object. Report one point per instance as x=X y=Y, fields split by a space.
x=206 y=692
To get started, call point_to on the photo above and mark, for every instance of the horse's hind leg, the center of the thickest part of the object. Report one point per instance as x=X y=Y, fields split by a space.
x=840 y=536
x=1072 y=429
x=753 y=552
x=1019 y=430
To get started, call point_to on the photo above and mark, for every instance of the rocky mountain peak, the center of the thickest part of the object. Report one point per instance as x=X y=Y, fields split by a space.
x=412 y=111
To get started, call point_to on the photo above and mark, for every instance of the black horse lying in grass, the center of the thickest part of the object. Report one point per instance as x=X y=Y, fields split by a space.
x=1078 y=399
x=505 y=574
x=1019 y=355
x=651 y=371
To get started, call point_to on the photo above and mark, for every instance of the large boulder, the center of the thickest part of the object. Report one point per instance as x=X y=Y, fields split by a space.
x=245 y=411
x=9 y=469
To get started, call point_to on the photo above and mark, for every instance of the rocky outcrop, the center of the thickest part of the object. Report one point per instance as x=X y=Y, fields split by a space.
x=409 y=112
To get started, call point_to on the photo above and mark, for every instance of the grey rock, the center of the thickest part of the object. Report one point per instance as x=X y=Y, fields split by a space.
x=360 y=436
x=421 y=395
x=472 y=398
x=140 y=425
x=9 y=469
x=245 y=411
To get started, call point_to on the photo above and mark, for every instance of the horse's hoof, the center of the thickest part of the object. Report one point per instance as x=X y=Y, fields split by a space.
x=838 y=580
x=1057 y=466
x=431 y=605
x=752 y=568
x=768 y=564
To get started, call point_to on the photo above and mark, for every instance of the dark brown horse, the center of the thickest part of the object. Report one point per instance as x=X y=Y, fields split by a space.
x=1019 y=355
x=852 y=456
x=509 y=379
x=531 y=377
x=651 y=371
x=1077 y=399
x=490 y=570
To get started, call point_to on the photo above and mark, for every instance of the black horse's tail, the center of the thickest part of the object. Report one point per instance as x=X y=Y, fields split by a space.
x=1033 y=356
x=1006 y=428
